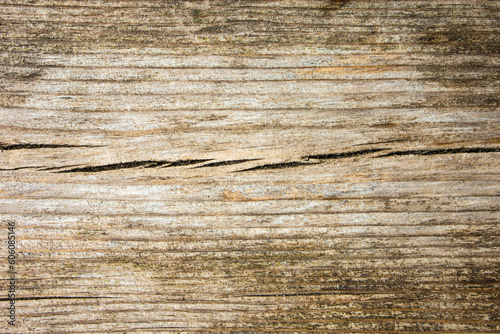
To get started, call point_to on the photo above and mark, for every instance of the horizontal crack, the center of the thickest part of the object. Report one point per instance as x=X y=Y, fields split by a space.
x=9 y=147
x=443 y=151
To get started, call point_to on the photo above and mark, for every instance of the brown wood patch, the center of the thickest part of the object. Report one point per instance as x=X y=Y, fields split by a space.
x=249 y=166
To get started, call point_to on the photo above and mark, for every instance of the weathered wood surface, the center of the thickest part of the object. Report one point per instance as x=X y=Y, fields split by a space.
x=251 y=166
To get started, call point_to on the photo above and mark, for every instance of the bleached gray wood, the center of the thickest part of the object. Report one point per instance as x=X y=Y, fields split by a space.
x=251 y=166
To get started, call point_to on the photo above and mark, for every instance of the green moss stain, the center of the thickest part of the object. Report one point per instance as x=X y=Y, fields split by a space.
x=196 y=15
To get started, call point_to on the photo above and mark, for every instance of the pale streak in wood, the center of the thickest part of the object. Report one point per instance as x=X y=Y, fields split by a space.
x=353 y=242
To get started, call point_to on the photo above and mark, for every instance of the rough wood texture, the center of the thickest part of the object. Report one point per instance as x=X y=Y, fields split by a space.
x=251 y=166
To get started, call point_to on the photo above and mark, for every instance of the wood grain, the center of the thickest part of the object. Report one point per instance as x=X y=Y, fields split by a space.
x=251 y=166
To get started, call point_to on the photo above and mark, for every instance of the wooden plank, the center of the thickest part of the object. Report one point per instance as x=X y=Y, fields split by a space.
x=250 y=166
